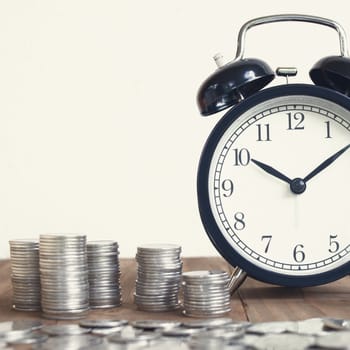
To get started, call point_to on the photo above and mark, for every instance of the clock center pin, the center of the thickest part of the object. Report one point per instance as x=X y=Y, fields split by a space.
x=298 y=185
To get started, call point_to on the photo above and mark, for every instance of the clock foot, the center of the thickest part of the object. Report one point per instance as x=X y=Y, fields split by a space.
x=237 y=277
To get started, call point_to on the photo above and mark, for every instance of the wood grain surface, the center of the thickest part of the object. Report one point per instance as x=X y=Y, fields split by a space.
x=255 y=301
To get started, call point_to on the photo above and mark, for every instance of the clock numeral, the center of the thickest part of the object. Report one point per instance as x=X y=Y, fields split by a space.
x=239 y=221
x=241 y=157
x=263 y=132
x=333 y=244
x=298 y=254
x=328 y=130
x=295 y=121
x=268 y=239
x=228 y=188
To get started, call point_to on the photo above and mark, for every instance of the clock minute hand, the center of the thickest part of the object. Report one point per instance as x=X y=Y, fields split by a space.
x=326 y=163
x=272 y=171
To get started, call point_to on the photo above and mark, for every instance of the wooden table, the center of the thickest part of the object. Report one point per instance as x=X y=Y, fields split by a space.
x=255 y=301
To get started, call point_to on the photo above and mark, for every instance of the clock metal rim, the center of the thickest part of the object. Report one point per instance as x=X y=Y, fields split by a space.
x=207 y=217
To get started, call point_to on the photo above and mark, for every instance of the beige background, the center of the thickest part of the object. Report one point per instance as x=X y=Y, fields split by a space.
x=99 y=128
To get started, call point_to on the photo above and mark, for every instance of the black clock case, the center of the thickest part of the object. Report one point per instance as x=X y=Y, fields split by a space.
x=212 y=229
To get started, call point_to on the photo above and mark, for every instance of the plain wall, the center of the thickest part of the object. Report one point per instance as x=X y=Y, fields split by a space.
x=99 y=128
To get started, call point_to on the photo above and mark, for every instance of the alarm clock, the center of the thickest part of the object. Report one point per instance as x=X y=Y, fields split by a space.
x=273 y=177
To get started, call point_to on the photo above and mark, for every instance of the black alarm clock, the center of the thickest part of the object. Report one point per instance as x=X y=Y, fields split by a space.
x=274 y=175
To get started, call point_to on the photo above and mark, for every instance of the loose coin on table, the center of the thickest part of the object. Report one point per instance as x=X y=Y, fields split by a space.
x=65 y=329
x=103 y=323
x=12 y=330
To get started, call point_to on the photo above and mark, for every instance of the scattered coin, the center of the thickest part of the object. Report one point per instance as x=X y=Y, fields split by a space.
x=12 y=330
x=72 y=342
x=103 y=323
x=65 y=329
x=30 y=338
x=155 y=324
x=208 y=323
x=273 y=327
x=334 y=340
x=285 y=341
x=130 y=336
x=336 y=324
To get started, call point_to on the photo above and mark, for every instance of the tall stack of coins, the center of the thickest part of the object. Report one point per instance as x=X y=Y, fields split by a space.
x=104 y=274
x=206 y=293
x=64 y=276
x=158 y=277
x=25 y=274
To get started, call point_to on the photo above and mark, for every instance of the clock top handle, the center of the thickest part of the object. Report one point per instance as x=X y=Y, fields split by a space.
x=290 y=18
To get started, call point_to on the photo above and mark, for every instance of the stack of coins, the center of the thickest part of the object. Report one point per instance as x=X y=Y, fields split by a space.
x=104 y=274
x=25 y=274
x=158 y=277
x=64 y=276
x=205 y=293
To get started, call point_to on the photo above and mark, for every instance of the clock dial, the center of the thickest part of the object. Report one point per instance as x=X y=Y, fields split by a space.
x=276 y=172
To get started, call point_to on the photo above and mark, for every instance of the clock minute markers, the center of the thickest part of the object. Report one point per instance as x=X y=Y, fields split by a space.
x=298 y=185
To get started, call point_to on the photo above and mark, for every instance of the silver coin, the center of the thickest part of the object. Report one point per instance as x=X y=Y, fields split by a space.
x=103 y=323
x=103 y=332
x=25 y=276
x=334 y=340
x=208 y=323
x=207 y=309
x=206 y=342
x=65 y=329
x=19 y=325
x=222 y=333
x=158 y=277
x=158 y=308
x=336 y=324
x=180 y=332
x=64 y=315
x=70 y=342
x=285 y=341
x=312 y=326
x=12 y=330
x=205 y=314
x=29 y=338
x=159 y=247
x=155 y=324
x=129 y=336
x=273 y=327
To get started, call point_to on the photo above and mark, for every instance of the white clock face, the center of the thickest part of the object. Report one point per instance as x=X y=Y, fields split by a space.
x=298 y=231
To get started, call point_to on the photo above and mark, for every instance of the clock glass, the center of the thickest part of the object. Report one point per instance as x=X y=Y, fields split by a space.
x=273 y=185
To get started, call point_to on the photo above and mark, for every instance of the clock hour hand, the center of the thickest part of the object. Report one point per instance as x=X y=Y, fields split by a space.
x=272 y=171
x=326 y=163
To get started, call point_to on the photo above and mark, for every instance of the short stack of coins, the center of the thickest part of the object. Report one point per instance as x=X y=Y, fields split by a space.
x=104 y=274
x=64 y=276
x=158 y=277
x=25 y=274
x=205 y=293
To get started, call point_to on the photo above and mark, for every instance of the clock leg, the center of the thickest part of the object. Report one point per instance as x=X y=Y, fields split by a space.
x=236 y=279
